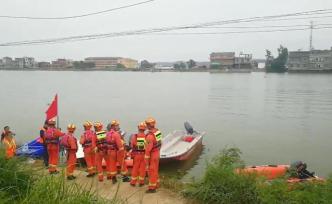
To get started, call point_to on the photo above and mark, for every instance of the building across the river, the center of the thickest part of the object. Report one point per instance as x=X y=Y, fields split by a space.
x=113 y=62
x=310 y=61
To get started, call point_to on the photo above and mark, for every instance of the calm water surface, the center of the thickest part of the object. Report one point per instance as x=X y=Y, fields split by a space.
x=273 y=118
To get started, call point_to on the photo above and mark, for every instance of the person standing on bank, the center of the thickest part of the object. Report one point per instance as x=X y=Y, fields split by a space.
x=42 y=139
x=9 y=143
x=152 y=154
x=88 y=142
x=138 y=150
x=52 y=139
x=70 y=143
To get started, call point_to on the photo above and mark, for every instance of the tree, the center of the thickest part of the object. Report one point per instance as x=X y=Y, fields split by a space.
x=120 y=66
x=146 y=64
x=180 y=66
x=83 y=65
x=277 y=65
x=191 y=63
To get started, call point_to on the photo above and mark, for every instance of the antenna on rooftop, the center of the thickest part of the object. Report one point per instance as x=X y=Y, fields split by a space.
x=311 y=33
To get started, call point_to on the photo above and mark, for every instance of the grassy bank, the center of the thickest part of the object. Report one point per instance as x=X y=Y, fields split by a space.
x=20 y=184
x=221 y=184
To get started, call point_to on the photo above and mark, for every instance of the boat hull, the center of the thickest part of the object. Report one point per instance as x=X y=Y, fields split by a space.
x=187 y=155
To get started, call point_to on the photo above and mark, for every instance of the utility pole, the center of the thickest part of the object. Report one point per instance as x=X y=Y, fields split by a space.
x=311 y=33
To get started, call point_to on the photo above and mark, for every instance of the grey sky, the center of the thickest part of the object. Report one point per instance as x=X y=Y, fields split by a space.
x=159 y=13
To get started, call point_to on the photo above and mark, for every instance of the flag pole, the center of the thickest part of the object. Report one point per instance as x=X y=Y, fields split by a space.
x=57 y=115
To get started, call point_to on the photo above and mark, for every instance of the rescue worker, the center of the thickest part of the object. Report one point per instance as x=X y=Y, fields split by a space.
x=52 y=140
x=88 y=142
x=71 y=149
x=121 y=154
x=10 y=145
x=102 y=151
x=41 y=140
x=152 y=154
x=6 y=131
x=138 y=151
x=115 y=148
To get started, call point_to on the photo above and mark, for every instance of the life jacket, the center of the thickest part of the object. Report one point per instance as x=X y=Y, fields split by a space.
x=50 y=138
x=88 y=138
x=10 y=147
x=140 y=142
x=111 y=143
x=101 y=140
x=158 y=136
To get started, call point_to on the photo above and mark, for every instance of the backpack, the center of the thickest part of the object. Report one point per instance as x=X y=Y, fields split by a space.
x=64 y=141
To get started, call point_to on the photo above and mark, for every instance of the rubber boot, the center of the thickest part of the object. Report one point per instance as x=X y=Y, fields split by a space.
x=125 y=179
x=114 y=180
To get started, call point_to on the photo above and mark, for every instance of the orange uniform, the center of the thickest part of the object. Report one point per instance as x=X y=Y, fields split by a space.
x=88 y=141
x=71 y=153
x=152 y=155
x=115 y=149
x=137 y=144
x=121 y=155
x=102 y=154
x=10 y=146
x=52 y=136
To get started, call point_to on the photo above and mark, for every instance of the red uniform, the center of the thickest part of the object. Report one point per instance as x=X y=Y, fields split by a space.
x=88 y=141
x=52 y=136
x=115 y=149
x=71 y=153
x=152 y=155
x=102 y=153
x=137 y=144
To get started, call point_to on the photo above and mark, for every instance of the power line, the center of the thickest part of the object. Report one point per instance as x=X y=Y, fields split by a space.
x=240 y=32
x=264 y=26
x=77 y=16
x=156 y=30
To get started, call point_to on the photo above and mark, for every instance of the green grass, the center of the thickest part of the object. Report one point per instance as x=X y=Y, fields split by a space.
x=20 y=184
x=221 y=184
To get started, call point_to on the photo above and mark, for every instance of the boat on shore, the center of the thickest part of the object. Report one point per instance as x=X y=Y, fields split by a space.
x=272 y=172
x=180 y=145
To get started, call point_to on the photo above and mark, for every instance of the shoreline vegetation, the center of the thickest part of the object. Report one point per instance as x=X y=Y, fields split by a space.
x=244 y=71
x=22 y=183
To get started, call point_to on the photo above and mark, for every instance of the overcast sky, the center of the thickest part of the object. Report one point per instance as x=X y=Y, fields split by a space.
x=159 y=13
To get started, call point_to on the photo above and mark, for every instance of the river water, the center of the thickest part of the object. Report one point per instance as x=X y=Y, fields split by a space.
x=272 y=118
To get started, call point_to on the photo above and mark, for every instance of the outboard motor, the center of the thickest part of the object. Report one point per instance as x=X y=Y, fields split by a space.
x=300 y=170
x=189 y=128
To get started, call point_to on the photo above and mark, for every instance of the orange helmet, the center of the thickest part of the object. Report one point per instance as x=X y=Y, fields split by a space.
x=115 y=122
x=150 y=121
x=51 y=122
x=98 y=125
x=87 y=124
x=142 y=126
x=71 y=127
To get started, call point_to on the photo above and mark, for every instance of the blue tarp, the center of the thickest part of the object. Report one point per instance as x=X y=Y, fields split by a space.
x=31 y=149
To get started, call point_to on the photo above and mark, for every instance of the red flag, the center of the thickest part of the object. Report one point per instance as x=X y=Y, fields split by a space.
x=52 y=111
